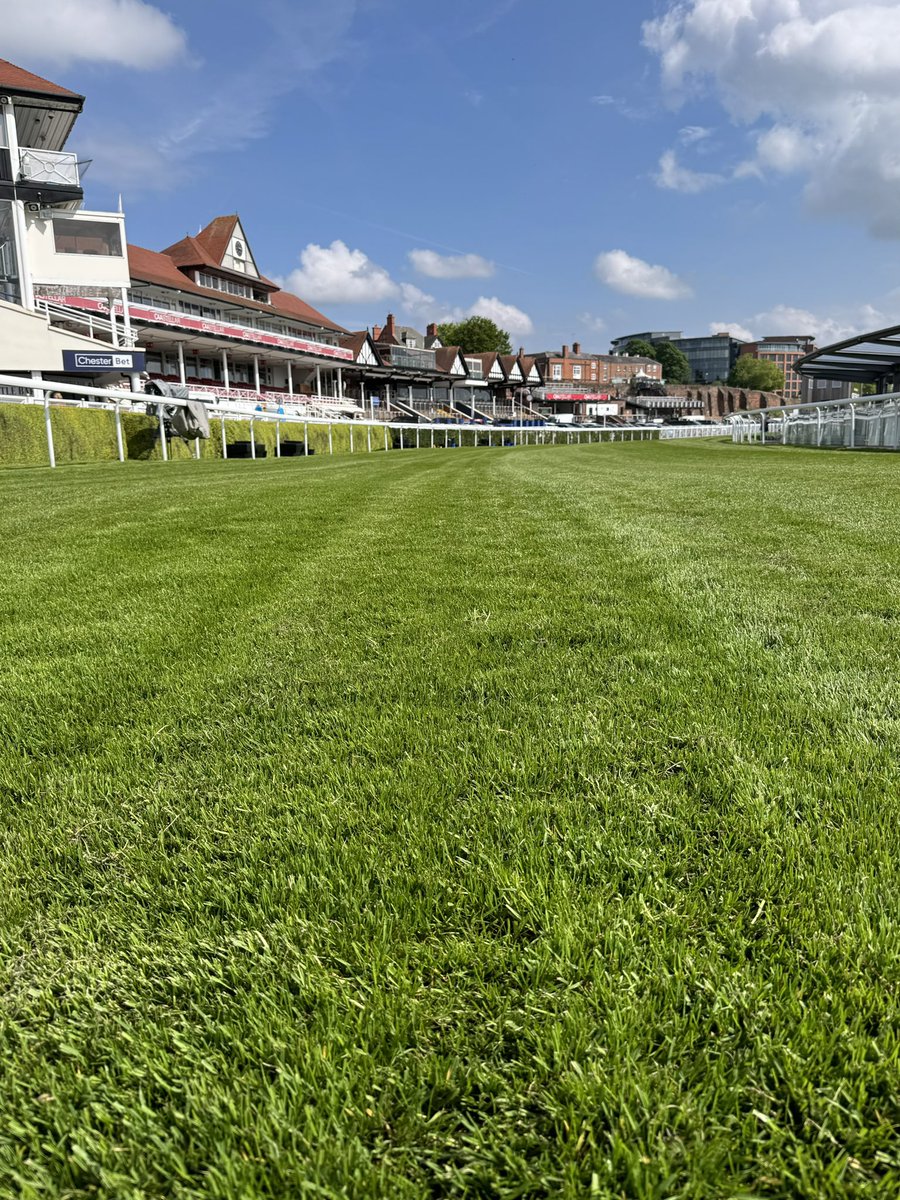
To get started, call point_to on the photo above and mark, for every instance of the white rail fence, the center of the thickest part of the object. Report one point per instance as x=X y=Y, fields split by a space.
x=858 y=423
x=370 y=434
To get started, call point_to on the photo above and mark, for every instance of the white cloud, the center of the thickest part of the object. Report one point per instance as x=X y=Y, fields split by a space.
x=691 y=134
x=816 y=80
x=449 y=266
x=417 y=302
x=634 y=277
x=787 y=319
x=676 y=178
x=129 y=33
x=595 y=324
x=336 y=274
x=734 y=328
x=507 y=316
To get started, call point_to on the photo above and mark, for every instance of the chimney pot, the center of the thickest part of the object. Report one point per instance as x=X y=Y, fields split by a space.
x=565 y=351
x=576 y=347
x=376 y=332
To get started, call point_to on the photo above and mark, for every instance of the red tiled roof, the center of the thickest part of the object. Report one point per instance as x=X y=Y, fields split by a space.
x=15 y=79
x=152 y=267
x=355 y=342
x=218 y=233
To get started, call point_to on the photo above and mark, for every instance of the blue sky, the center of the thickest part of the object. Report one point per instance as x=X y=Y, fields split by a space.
x=577 y=170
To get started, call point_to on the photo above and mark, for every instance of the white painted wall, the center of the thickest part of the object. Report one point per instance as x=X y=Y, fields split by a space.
x=74 y=270
x=28 y=343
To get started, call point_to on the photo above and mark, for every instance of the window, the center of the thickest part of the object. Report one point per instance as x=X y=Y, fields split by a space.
x=556 y=371
x=87 y=237
x=576 y=371
x=9 y=259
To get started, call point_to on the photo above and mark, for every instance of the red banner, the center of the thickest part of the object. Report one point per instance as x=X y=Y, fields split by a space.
x=165 y=316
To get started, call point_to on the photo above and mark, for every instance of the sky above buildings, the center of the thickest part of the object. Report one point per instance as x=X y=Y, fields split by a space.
x=575 y=170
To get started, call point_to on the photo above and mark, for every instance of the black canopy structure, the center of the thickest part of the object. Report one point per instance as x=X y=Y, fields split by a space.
x=865 y=358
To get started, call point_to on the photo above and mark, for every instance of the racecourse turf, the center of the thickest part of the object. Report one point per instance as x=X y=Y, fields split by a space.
x=485 y=823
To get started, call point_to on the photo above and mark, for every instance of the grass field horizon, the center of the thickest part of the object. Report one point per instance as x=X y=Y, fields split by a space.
x=490 y=823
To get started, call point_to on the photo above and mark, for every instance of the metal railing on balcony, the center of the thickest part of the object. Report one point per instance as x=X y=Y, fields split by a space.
x=54 y=167
x=90 y=323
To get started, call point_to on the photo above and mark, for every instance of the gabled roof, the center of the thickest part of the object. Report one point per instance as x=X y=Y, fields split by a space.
x=527 y=364
x=208 y=248
x=152 y=267
x=509 y=362
x=356 y=342
x=217 y=234
x=445 y=359
x=20 y=82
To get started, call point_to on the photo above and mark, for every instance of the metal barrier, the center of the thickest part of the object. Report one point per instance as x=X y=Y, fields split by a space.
x=857 y=423
x=433 y=435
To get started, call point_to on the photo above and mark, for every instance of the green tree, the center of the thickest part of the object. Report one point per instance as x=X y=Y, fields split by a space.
x=675 y=367
x=638 y=348
x=756 y=373
x=475 y=335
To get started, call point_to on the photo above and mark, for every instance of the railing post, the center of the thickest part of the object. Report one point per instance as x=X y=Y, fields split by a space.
x=224 y=440
x=119 y=444
x=41 y=393
x=162 y=434
x=385 y=438
x=351 y=439
x=252 y=440
x=278 y=439
x=306 y=439
x=369 y=438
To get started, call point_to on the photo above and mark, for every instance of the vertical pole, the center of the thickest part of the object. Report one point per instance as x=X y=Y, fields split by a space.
x=278 y=439
x=762 y=429
x=446 y=439
x=120 y=447
x=252 y=440
x=256 y=372
x=417 y=437
x=126 y=317
x=369 y=438
x=41 y=394
x=305 y=439
x=351 y=439
x=330 y=440
x=181 y=374
x=113 y=323
x=224 y=442
x=852 y=427
x=385 y=438
x=432 y=437
x=340 y=382
x=162 y=435
x=290 y=375
x=226 y=379
x=197 y=448
x=318 y=380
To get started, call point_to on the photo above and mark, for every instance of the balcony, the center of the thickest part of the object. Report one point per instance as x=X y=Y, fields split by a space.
x=407 y=358
x=51 y=167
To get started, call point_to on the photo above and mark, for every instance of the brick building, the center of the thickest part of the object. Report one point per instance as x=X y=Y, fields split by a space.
x=783 y=352
x=581 y=385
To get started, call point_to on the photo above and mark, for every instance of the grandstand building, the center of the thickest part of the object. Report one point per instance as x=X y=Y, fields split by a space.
x=51 y=247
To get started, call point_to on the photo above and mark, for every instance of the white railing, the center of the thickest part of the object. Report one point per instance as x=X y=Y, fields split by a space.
x=46 y=394
x=49 y=166
x=94 y=324
x=857 y=423
x=669 y=433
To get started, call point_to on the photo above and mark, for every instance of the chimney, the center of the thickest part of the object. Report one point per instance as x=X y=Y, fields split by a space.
x=431 y=331
x=576 y=347
x=565 y=352
x=376 y=332
x=521 y=352
x=389 y=325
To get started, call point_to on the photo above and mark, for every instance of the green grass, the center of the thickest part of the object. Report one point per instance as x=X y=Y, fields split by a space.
x=507 y=823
